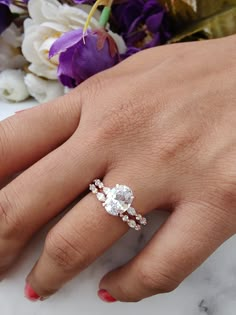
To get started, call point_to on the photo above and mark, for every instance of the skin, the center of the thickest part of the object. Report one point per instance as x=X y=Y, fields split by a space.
x=164 y=123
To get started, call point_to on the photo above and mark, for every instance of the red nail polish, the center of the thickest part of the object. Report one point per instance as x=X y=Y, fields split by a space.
x=105 y=296
x=30 y=293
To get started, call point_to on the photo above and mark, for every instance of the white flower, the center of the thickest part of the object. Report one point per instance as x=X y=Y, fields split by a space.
x=119 y=42
x=193 y=4
x=10 y=54
x=49 y=20
x=12 y=86
x=17 y=9
x=43 y=90
x=67 y=90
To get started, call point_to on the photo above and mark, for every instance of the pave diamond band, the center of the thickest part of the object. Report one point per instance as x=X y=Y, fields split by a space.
x=117 y=201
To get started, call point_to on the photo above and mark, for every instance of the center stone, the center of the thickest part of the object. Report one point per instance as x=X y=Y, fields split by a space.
x=118 y=200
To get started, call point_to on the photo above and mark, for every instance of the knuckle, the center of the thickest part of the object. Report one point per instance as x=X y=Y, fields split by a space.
x=67 y=110
x=227 y=192
x=222 y=200
x=223 y=185
x=64 y=252
x=156 y=282
x=116 y=122
x=178 y=146
x=126 y=119
x=90 y=88
x=10 y=223
x=4 y=134
x=222 y=195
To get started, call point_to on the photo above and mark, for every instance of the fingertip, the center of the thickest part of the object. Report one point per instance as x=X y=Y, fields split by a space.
x=30 y=294
x=105 y=296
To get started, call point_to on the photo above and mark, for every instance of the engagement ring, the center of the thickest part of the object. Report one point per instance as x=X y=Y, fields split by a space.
x=117 y=201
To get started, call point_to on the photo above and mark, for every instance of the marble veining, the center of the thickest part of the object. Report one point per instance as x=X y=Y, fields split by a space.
x=210 y=290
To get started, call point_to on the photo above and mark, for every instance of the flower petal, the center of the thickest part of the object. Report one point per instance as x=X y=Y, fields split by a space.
x=65 y=71
x=88 y=60
x=154 y=22
x=5 y=17
x=65 y=41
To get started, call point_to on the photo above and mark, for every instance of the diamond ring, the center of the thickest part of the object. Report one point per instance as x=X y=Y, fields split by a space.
x=117 y=201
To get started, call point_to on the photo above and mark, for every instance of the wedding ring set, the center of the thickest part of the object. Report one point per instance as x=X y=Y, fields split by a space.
x=117 y=201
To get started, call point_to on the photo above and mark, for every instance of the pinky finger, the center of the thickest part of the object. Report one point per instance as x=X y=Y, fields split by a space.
x=177 y=249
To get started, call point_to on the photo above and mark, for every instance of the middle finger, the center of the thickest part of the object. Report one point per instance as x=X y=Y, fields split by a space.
x=42 y=191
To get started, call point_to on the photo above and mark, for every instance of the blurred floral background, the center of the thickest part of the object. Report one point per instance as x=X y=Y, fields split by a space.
x=46 y=48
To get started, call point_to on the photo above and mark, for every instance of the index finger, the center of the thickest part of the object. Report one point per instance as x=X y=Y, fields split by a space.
x=31 y=134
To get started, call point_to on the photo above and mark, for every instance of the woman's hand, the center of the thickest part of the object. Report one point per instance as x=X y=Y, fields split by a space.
x=164 y=123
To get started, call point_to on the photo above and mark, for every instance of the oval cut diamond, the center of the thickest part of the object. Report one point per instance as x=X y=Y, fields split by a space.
x=118 y=200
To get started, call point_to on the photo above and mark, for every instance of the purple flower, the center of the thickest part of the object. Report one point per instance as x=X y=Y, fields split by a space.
x=84 y=2
x=80 y=60
x=6 y=2
x=142 y=23
x=5 y=15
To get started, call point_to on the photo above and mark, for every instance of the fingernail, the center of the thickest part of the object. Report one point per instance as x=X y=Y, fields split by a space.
x=105 y=296
x=30 y=294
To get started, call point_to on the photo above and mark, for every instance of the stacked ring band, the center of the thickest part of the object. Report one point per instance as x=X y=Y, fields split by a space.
x=117 y=201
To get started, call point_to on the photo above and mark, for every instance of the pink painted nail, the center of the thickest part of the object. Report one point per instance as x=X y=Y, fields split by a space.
x=105 y=296
x=30 y=294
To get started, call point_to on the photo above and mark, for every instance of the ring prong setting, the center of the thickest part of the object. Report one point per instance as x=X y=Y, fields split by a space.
x=117 y=201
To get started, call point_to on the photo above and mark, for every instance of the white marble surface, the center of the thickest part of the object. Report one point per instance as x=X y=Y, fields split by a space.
x=211 y=290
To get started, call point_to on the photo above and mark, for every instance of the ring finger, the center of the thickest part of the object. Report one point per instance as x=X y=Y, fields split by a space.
x=82 y=235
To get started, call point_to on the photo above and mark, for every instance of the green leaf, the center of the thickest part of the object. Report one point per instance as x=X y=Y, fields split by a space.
x=206 y=8
x=180 y=11
x=200 y=19
x=219 y=24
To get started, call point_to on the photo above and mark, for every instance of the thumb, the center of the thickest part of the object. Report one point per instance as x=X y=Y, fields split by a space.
x=189 y=236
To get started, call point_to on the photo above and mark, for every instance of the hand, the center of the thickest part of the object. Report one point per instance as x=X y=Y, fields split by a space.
x=164 y=123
